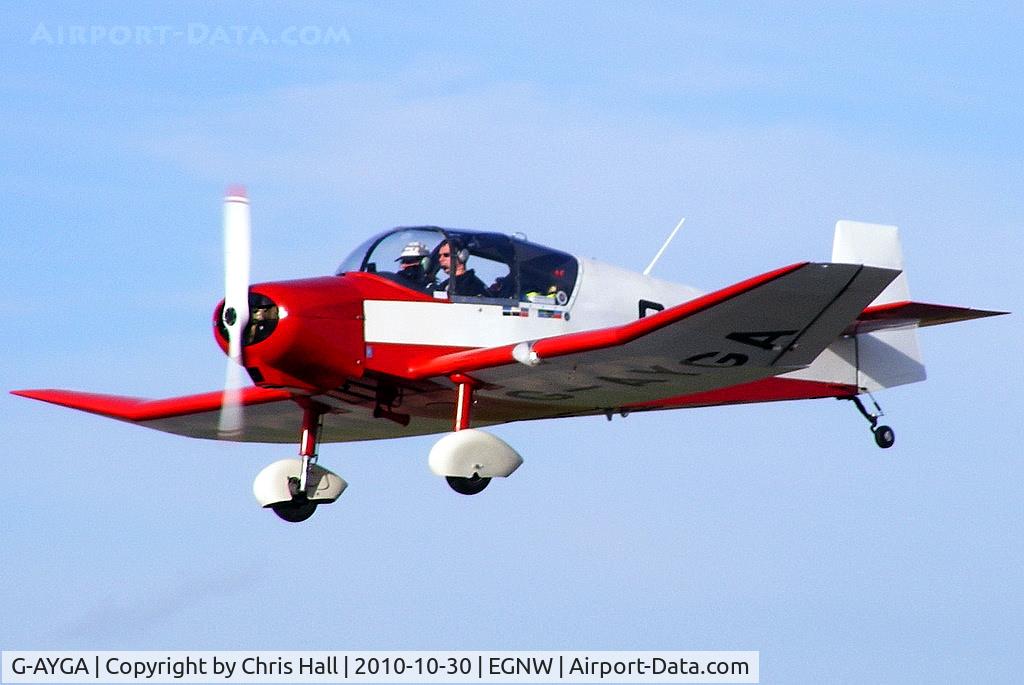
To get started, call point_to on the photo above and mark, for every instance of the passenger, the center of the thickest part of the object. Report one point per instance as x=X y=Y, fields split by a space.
x=410 y=262
x=503 y=287
x=466 y=281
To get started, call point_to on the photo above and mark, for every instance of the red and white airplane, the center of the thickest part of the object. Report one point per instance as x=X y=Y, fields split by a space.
x=393 y=345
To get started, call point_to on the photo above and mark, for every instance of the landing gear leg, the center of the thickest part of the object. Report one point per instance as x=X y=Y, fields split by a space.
x=299 y=508
x=294 y=488
x=885 y=436
x=312 y=424
x=463 y=405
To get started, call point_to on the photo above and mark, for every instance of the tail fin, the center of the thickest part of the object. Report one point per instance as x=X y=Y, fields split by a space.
x=885 y=349
x=879 y=348
x=872 y=245
x=889 y=357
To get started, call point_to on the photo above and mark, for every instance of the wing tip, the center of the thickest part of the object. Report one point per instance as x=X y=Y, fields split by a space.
x=113 y=406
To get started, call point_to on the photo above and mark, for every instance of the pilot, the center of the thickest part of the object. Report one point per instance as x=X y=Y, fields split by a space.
x=410 y=262
x=466 y=281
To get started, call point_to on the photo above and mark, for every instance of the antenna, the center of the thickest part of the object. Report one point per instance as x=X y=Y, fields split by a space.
x=668 y=240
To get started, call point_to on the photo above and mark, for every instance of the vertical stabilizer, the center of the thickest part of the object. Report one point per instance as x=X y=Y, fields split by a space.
x=874 y=245
x=883 y=358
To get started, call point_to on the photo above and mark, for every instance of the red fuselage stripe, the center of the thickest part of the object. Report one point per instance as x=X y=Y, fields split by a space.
x=773 y=389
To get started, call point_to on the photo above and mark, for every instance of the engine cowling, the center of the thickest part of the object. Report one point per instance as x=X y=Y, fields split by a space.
x=305 y=334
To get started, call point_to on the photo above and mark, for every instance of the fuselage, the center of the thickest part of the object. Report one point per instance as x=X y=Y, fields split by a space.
x=313 y=334
x=604 y=295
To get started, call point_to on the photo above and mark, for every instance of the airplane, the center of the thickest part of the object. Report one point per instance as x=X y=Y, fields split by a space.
x=426 y=330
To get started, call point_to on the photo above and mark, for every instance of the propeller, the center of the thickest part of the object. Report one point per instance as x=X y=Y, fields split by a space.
x=235 y=315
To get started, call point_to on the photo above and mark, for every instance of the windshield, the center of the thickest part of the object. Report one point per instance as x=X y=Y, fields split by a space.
x=485 y=265
x=406 y=256
x=354 y=261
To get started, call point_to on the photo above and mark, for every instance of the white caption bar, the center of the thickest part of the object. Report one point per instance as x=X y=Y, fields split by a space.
x=380 y=667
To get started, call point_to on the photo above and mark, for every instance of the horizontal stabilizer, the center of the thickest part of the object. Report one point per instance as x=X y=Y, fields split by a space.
x=885 y=351
x=906 y=313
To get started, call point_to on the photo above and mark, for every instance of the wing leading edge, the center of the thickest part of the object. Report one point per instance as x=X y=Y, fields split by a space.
x=270 y=413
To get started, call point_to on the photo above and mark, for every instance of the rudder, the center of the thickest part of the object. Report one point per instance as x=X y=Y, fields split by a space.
x=887 y=358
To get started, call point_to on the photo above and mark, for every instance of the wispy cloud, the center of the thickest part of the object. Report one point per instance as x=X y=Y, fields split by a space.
x=508 y=155
x=147 y=608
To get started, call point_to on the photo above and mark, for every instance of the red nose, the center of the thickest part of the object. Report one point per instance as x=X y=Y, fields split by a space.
x=305 y=334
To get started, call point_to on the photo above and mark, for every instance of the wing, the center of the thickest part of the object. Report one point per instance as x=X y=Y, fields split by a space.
x=269 y=415
x=267 y=412
x=765 y=326
x=275 y=416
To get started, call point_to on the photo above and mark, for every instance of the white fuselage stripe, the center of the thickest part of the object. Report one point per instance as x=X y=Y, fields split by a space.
x=605 y=296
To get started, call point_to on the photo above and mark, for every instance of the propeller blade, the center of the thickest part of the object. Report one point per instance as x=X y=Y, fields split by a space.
x=237 y=249
x=230 y=423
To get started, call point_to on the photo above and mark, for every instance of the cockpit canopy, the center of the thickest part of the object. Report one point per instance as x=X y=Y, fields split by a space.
x=487 y=265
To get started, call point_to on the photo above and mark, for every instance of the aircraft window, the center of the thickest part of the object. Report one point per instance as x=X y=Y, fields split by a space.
x=406 y=256
x=545 y=276
x=499 y=267
x=354 y=262
x=489 y=260
x=492 y=274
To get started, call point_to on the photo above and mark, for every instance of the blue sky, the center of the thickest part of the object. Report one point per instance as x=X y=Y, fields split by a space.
x=593 y=128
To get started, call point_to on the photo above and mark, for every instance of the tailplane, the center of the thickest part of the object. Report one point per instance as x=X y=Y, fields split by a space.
x=885 y=348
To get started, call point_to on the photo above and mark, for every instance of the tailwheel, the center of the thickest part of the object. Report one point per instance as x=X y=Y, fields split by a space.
x=467 y=486
x=885 y=437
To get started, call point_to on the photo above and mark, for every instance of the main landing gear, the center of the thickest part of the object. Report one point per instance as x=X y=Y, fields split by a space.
x=469 y=458
x=467 y=486
x=885 y=436
x=294 y=488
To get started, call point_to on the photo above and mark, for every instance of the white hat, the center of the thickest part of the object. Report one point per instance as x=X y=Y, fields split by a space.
x=413 y=250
